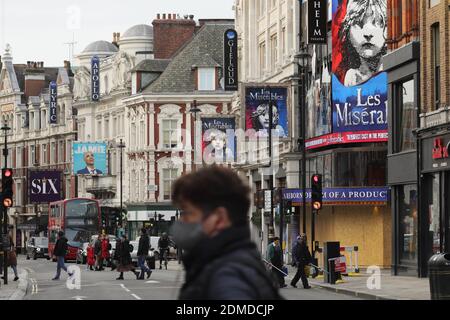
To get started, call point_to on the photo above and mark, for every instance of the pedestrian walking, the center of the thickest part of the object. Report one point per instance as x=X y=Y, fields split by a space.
x=143 y=248
x=60 y=252
x=163 y=247
x=125 y=262
x=221 y=261
x=275 y=257
x=90 y=257
x=106 y=246
x=12 y=259
x=301 y=258
x=98 y=254
x=116 y=255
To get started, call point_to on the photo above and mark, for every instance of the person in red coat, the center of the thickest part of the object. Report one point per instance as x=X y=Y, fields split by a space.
x=90 y=257
x=105 y=249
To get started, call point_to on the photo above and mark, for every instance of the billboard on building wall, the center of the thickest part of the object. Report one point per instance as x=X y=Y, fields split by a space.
x=257 y=99
x=89 y=158
x=359 y=85
x=218 y=140
x=45 y=186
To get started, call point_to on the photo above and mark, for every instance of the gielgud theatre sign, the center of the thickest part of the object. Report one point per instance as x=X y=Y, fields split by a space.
x=435 y=153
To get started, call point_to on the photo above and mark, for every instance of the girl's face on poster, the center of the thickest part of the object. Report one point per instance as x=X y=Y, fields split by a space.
x=263 y=118
x=218 y=141
x=368 y=37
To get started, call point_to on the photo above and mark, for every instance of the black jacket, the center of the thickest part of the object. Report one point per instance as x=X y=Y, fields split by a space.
x=227 y=267
x=124 y=253
x=301 y=254
x=97 y=247
x=144 y=246
x=61 y=247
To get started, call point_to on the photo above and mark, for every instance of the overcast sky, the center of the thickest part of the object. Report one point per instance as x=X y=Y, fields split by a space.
x=38 y=30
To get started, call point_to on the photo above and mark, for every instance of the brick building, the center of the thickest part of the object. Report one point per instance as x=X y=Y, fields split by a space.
x=34 y=143
x=434 y=131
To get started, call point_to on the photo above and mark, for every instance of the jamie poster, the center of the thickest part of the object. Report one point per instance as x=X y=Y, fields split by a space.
x=257 y=101
x=218 y=140
x=359 y=85
x=89 y=158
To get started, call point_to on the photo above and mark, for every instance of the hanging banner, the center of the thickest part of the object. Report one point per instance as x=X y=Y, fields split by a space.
x=95 y=79
x=45 y=186
x=359 y=85
x=231 y=60
x=257 y=109
x=317 y=21
x=53 y=110
x=218 y=140
x=89 y=158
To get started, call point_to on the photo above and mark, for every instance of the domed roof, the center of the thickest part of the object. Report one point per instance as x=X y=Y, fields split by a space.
x=140 y=30
x=100 y=47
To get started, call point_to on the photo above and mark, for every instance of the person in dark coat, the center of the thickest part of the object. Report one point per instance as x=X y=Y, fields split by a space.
x=221 y=261
x=301 y=258
x=144 y=247
x=98 y=253
x=60 y=252
x=12 y=259
x=275 y=257
x=125 y=262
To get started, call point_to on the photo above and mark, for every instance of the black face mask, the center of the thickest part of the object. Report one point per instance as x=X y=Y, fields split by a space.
x=187 y=235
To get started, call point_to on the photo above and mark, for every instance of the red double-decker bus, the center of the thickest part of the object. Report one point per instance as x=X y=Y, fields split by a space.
x=78 y=218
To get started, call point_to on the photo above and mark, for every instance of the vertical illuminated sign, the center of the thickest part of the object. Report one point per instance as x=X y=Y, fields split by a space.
x=53 y=115
x=231 y=60
x=317 y=21
x=95 y=79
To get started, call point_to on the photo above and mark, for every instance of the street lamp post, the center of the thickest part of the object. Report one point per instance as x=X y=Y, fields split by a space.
x=303 y=60
x=271 y=229
x=5 y=128
x=194 y=110
x=121 y=146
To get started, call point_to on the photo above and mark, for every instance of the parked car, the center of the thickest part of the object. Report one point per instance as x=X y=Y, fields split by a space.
x=37 y=247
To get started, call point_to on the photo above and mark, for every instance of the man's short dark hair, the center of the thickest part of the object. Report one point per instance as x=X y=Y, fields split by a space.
x=275 y=239
x=212 y=187
x=144 y=231
x=61 y=233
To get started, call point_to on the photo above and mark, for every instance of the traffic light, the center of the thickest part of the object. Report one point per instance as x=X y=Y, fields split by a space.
x=316 y=191
x=7 y=188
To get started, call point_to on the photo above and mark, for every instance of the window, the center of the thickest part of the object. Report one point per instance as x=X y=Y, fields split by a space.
x=142 y=133
x=99 y=129
x=262 y=8
x=133 y=134
x=436 y=50
x=408 y=116
x=114 y=128
x=168 y=178
x=206 y=79
x=283 y=40
x=274 y=50
x=32 y=159
x=434 y=213
x=434 y=3
x=370 y=172
x=262 y=57
x=61 y=152
x=170 y=133
x=69 y=151
x=53 y=153
x=408 y=226
x=19 y=163
x=62 y=117
x=106 y=129
x=32 y=126
x=44 y=154
x=44 y=119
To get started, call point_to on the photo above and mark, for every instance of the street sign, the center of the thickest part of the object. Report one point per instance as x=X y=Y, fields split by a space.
x=152 y=188
x=267 y=200
x=340 y=265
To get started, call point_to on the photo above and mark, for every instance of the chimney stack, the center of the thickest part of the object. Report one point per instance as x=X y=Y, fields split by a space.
x=171 y=34
x=34 y=78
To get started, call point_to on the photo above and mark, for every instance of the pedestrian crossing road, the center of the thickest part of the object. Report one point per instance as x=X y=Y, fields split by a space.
x=102 y=285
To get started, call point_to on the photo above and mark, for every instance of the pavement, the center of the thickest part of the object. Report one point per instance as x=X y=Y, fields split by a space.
x=367 y=286
x=14 y=290
x=35 y=284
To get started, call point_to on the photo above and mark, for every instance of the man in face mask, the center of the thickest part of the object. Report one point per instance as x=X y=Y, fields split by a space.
x=221 y=261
